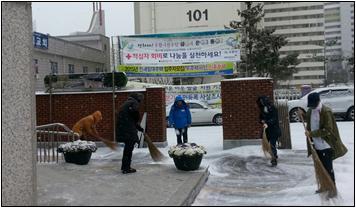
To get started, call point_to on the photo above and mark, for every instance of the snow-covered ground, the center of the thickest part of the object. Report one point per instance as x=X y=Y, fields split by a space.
x=243 y=176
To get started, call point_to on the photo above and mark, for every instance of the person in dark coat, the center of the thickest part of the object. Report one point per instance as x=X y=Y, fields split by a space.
x=127 y=125
x=269 y=119
x=180 y=118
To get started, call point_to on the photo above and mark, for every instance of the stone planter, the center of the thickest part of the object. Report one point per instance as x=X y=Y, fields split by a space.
x=187 y=163
x=79 y=158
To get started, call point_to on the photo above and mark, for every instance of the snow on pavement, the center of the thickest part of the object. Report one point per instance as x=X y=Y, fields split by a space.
x=243 y=176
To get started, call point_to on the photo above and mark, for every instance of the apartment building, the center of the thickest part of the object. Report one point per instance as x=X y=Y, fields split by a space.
x=303 y=25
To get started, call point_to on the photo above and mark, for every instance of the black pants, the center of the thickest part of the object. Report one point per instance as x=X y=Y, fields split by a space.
x=126 y=158
x=180 y=132
x=325 y=157
x=272 y=139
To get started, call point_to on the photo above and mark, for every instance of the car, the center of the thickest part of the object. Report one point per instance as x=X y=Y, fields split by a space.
x=339 y=99
x=201 y=113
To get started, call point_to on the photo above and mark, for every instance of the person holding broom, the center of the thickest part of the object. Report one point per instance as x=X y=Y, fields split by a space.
x=269 y=119
x=126 y=128
x=322 y=130
x=86 y=127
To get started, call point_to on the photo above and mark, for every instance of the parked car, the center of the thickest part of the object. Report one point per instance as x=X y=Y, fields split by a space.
x=201 y=113
x=339 y=99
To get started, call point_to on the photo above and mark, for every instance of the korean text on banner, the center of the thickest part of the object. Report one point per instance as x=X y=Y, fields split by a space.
x=180 y=48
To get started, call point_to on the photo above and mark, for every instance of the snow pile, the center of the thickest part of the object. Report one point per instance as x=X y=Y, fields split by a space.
x=77 y=146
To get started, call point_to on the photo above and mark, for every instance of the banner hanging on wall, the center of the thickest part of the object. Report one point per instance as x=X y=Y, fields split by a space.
x=219 y=68
x=181 y=48
x=209 y=93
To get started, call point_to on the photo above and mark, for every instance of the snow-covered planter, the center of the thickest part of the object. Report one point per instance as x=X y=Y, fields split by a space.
x=187 y=156
x=78 y=152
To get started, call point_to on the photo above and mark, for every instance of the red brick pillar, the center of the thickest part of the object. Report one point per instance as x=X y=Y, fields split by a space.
x=156 y=115
x=240 y=113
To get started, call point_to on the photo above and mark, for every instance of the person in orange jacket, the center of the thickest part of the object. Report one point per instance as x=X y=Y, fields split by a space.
x=87 y=127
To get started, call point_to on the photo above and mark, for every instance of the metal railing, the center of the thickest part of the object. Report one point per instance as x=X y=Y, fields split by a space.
x=49 y=137
x=288 y=94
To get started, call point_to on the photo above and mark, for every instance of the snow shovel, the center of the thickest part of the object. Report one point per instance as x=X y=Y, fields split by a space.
x=154 y=151
x=266 y=146
x=324 y=181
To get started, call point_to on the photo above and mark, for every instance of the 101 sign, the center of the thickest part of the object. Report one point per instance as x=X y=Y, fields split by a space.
x=197 y=15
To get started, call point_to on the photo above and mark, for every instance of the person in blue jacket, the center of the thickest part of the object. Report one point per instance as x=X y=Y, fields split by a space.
x=180 y=118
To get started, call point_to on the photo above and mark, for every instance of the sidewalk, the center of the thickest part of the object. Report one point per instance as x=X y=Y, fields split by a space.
x=101 y=183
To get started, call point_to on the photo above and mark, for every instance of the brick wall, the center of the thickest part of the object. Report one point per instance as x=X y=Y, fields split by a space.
x=69 y=108
x=240 y=112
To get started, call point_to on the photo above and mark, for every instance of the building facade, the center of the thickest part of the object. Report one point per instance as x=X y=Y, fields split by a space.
x=303 y=25
x=70 y=55
x=339 y=36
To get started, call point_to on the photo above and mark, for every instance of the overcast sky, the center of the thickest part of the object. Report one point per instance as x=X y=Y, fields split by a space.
x=63 y=18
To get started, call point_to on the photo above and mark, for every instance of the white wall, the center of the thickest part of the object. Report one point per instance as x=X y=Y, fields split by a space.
x=160 y=17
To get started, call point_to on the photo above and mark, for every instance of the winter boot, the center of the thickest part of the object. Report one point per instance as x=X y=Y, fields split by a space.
x=130 y=170
x=274 y=162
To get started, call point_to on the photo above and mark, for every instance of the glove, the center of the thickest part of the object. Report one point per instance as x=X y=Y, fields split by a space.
x=139 y=128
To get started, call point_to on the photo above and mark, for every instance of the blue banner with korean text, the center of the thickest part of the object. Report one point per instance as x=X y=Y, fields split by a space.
x=40 y=40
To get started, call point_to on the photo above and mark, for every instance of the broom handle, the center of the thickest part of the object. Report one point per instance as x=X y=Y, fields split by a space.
x=305 y=128
x=107 y=142
x=147 y=138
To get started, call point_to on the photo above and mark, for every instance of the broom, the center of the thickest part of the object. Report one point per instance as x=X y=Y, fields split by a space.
x=324 y=181
x=154 y=152
x=266 y=146
x=110 y=144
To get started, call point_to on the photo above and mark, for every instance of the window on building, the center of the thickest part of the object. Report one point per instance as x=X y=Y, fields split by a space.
x=272 y=19
x=320 y=33
x=331 y=3
x=98 y=70
x=332 y=26
x=54 y=67
x=85 y=69
x=309 y=77
x=294 y=26
x=70 y=68
x=35 y=67
x=294 y=9
x=332 y=32
x=318 y=43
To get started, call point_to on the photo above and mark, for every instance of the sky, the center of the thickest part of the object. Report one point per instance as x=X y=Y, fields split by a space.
x=63 y=18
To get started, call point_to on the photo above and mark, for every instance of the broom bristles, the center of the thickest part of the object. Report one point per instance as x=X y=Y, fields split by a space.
x=154 y=151
x=110 y=144
x=323 y=179
x=266 y=146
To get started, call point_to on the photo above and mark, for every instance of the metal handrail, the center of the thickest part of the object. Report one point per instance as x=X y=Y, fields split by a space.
x=49 y=137
x=53 y=125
